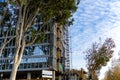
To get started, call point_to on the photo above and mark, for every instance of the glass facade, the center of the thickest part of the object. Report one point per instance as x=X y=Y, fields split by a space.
x=36 y=56
x=50 y=54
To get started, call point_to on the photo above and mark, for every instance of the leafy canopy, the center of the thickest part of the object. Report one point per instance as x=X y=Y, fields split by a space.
x=58 y=10
x=99 y=54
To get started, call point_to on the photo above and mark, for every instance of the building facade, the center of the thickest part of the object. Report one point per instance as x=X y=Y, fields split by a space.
x=52 y=55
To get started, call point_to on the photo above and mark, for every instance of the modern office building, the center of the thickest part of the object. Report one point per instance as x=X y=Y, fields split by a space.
x=51 y=55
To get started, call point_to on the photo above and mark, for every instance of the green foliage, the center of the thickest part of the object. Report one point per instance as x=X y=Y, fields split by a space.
x=59 y=11
x=40 y=38
x=99 y=54
x=49 y=11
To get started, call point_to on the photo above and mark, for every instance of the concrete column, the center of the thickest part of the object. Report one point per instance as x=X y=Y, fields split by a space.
x=28 y=76
x=60 y=77
x=53 y=75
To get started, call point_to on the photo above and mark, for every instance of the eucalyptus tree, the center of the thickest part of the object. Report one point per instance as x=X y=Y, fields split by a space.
x=98 y=55
x=23 y=17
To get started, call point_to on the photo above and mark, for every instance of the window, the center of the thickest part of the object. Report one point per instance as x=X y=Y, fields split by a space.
x=3 y=0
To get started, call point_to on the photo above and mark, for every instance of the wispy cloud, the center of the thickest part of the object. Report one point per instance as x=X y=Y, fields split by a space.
x=94 y=19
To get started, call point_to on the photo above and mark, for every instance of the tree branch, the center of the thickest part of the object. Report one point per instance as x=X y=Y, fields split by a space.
x=5 y=43
x=21 y=51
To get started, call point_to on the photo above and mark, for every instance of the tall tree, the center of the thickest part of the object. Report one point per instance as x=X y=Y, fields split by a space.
x=114 y=72
x=22 y=18
x=98 y=55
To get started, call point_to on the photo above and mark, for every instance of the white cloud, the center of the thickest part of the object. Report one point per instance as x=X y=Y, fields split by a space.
x=94 y=19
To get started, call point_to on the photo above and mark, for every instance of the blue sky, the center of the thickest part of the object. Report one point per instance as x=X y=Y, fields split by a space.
x=94 y=19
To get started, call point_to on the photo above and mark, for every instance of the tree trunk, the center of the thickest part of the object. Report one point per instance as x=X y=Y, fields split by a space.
x=17 y=60
x=14 y=72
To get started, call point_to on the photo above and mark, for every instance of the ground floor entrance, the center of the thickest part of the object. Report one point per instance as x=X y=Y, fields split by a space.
x=24 y=75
